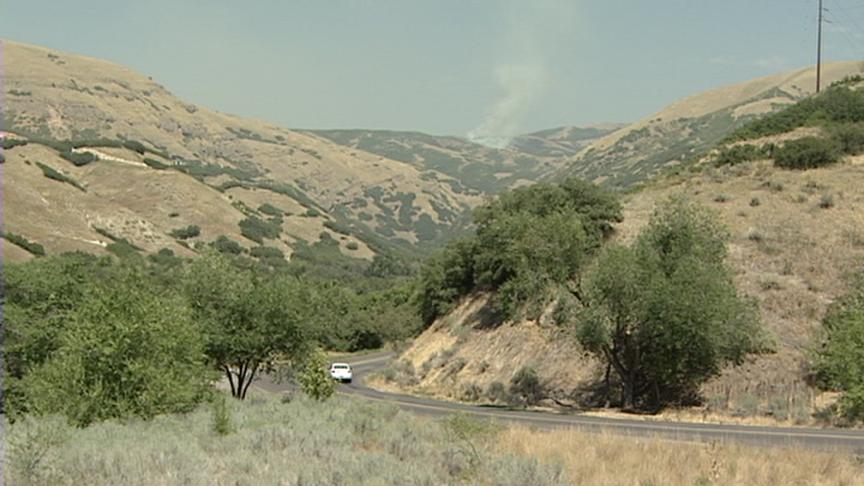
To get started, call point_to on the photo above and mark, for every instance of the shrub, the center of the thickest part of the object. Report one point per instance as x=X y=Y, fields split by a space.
x=122 y=248
x=256 y=229
x=8 y=143
x=34 y=248
x=155 y=164
x=755 y=202
x=190 y=231
x=525 y=387
x=826 y=201
x=312 y=213
x=470 y=392
x=79 y=158
x=840 y=359
x=497 y=392
x=849 y=137
x=352 y=245
x=806 y=153
x=56 y=175
x=270 y=210
x=737 y=154
x=135 y=146
x=226 y=245
x=314 y=378
x=222 y=422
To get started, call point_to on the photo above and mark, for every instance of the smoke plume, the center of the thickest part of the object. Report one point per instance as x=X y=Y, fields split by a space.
x=534 y=32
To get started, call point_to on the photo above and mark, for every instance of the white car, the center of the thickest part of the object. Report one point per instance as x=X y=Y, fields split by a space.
x=341 y=372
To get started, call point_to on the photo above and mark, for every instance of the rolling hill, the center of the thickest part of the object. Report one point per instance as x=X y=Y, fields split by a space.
x=528 y=158
x=162 y=164
x=686 y=128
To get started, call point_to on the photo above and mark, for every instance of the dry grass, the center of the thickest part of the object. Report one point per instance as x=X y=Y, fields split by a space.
x=602 y=459
x=73 y=95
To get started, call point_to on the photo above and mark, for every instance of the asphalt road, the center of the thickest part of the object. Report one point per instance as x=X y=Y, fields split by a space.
x=829 y=438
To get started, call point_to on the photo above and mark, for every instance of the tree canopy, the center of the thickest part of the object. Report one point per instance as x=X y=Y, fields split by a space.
x=665 y=313
x=527 y=240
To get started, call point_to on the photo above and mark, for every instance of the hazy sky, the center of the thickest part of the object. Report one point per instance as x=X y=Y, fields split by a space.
x=441 y=66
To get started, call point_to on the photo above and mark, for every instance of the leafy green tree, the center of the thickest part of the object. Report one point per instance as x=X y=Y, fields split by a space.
x=40 y=295
x=445 y=277
x=249 y=320
x=665 y=313
x=126 y=350
x=840 y=360
x=314 y=378
x=527 y=239
x=522 y=254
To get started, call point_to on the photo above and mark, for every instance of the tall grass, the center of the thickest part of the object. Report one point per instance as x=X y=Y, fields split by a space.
x=605 y=459
x=341 y=441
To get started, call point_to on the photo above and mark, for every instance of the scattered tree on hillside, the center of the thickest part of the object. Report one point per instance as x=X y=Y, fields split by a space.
x=840 y=360
x=249 y=320
x=665 y=313
x=527 y=240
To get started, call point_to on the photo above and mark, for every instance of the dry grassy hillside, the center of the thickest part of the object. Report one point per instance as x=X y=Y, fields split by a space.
x=687 y=127
x=795 y=236
x=476 y=167
x=56 y=96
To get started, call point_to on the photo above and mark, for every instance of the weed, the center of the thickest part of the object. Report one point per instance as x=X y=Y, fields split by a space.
x=222 y=422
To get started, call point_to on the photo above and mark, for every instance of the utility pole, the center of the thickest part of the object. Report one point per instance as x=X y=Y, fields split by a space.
x=819 y=51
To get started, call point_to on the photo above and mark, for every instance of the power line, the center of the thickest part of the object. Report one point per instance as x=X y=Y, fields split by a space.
x=851 y=20
x=819 y=50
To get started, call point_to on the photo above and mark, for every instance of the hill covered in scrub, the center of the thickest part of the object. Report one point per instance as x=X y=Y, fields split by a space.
x=795 y=241
x=92 y=148
x=526 y=159
x=99 y=158
x=682 y=131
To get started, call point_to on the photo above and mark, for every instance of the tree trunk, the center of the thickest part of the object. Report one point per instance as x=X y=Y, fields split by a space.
x=607 y=385
x=230 y=380
x=251 y=377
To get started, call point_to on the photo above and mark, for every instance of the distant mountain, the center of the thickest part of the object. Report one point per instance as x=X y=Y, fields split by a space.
x=478 y=168
x=688 y=127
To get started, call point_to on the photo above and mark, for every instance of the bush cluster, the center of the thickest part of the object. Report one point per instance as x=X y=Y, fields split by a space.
x=30 y=246
x=256 y=229
x=840 y=360
x=56 y=175
x=736 y=154
x=190 y=231
x=806 y=153
x=79 y=158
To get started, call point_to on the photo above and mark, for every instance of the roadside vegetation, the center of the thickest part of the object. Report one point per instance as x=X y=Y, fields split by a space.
x=840 y=355
x=94 y=338
x=266 y=440
x=663 y=315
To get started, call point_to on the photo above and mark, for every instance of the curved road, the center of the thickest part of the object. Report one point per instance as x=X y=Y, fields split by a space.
x=831 y=439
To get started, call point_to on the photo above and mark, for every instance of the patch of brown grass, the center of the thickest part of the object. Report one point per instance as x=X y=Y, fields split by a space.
x=604 y=459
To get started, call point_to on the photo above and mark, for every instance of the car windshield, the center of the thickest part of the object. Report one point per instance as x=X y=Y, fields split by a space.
x=340 y=367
